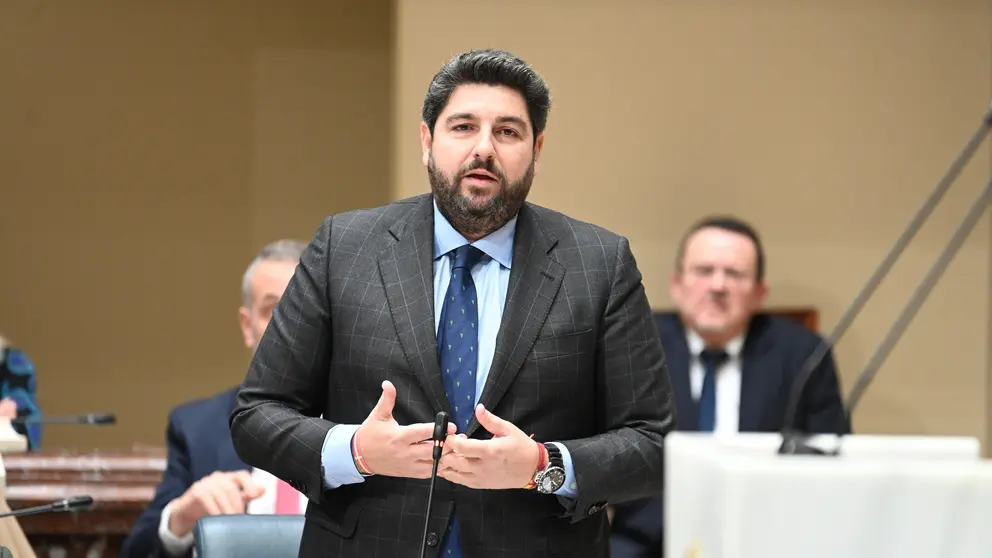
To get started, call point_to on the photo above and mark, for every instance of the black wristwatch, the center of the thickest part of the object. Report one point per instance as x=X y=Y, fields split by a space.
x=551 y=478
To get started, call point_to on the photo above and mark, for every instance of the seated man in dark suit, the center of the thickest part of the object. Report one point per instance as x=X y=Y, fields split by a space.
x=203 y=475
x=731 y=366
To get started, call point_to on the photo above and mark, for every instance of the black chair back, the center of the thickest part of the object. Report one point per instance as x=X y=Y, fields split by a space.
x=248 y=536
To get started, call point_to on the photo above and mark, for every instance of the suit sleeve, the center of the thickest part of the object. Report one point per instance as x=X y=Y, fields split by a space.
x=275 y=424
x=634 y=410
x=822 y=409
x=143 y=541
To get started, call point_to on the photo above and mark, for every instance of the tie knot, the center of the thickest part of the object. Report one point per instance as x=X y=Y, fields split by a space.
x=466 y=257
x=713 y=357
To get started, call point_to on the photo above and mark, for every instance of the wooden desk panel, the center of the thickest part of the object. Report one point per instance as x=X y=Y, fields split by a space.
x=120 y=483
x=806 y=315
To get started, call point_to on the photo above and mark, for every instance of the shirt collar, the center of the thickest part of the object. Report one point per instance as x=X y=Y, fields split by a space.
x=498 y=244
x=696 y=344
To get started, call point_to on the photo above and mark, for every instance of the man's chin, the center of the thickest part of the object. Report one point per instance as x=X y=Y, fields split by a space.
x=475 y=192
x=711 y=328
x=478 y=204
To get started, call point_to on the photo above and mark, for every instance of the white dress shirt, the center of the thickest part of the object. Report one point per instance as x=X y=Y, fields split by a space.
x=728 y=381
x=264 y=504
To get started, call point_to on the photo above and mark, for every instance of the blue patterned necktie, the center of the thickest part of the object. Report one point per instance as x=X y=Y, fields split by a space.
x=458 y=355
x=711 y=359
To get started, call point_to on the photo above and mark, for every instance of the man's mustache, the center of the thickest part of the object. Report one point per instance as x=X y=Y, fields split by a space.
x=487 y=165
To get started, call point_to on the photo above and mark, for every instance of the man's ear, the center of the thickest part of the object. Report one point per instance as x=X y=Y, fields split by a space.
x=538 y=146
x=425 y=143
x=246 y=333
x=760 y=294
x=675 y=287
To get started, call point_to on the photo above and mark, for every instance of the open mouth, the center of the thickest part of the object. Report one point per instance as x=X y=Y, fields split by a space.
x=480 y=175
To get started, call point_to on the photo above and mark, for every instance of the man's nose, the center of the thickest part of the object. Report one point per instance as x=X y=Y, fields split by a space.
x=718 y=281
x=484 y=148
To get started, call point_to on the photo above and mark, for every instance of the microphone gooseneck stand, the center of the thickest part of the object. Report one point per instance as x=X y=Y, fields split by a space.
x=440 y=436
x=795 y=442
x=74 y=503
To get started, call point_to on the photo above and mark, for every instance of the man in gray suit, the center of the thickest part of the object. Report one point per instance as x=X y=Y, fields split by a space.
x=529 y=328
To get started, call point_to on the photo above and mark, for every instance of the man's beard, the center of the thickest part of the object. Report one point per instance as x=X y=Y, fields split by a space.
x=478 y=221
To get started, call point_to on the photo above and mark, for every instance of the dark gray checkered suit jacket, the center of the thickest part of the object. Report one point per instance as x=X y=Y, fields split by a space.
x=578 y=360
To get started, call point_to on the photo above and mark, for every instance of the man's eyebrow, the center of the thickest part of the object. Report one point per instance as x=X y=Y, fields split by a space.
x=502 y=119
x=512 y=120
x=460 y=116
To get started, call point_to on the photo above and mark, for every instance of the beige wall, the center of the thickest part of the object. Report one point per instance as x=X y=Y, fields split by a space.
x=147 y=152
x=825 y=123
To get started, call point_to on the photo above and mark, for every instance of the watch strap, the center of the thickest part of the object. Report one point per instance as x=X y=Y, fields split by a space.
x=554 y=456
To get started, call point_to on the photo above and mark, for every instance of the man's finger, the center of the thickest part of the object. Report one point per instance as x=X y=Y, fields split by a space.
x=415 y=433
x=242 y=479
x=460 y=463
x=383 y=409
x=469 y=447
x=227 y=494
x=464 y=479
x=419 y=452
x=251 y=492
x=492 y=423
x=208 y=503
x=247 y=485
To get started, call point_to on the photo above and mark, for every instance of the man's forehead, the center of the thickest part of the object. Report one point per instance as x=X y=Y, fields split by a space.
x=717 y=246
x=271 y=276
x=715 y=239
x=488 y=102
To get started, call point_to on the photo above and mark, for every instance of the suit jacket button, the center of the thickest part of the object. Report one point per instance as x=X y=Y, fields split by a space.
x=594 y=509
x=432 y=539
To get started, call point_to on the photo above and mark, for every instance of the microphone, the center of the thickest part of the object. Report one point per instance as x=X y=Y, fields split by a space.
x=74 y=503
x=797 y=443
x=440 y=435
x=95 y=419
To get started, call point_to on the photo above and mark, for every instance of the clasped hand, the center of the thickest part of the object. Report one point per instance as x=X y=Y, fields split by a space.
x=508 y=460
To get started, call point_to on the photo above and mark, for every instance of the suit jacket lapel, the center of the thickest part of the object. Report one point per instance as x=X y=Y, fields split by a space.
x=677 y=354
x=534 y=283
x=755 y=380
x=407 y=270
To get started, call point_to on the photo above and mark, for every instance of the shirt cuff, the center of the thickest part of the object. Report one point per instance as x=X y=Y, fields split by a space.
x=337 y=464
x=569 y=489
x=176 y=546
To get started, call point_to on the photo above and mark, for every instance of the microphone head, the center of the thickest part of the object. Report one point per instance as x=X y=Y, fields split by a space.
x=101 y=419
x=441 y=427
x=77 y=502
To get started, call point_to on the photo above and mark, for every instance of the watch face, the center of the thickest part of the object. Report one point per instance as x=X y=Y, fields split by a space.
x=551 y=480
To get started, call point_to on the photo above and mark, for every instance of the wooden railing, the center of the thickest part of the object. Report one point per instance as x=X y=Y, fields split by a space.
x=121 y=484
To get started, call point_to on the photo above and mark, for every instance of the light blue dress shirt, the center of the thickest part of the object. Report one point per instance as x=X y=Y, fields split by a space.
x=492 y=278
